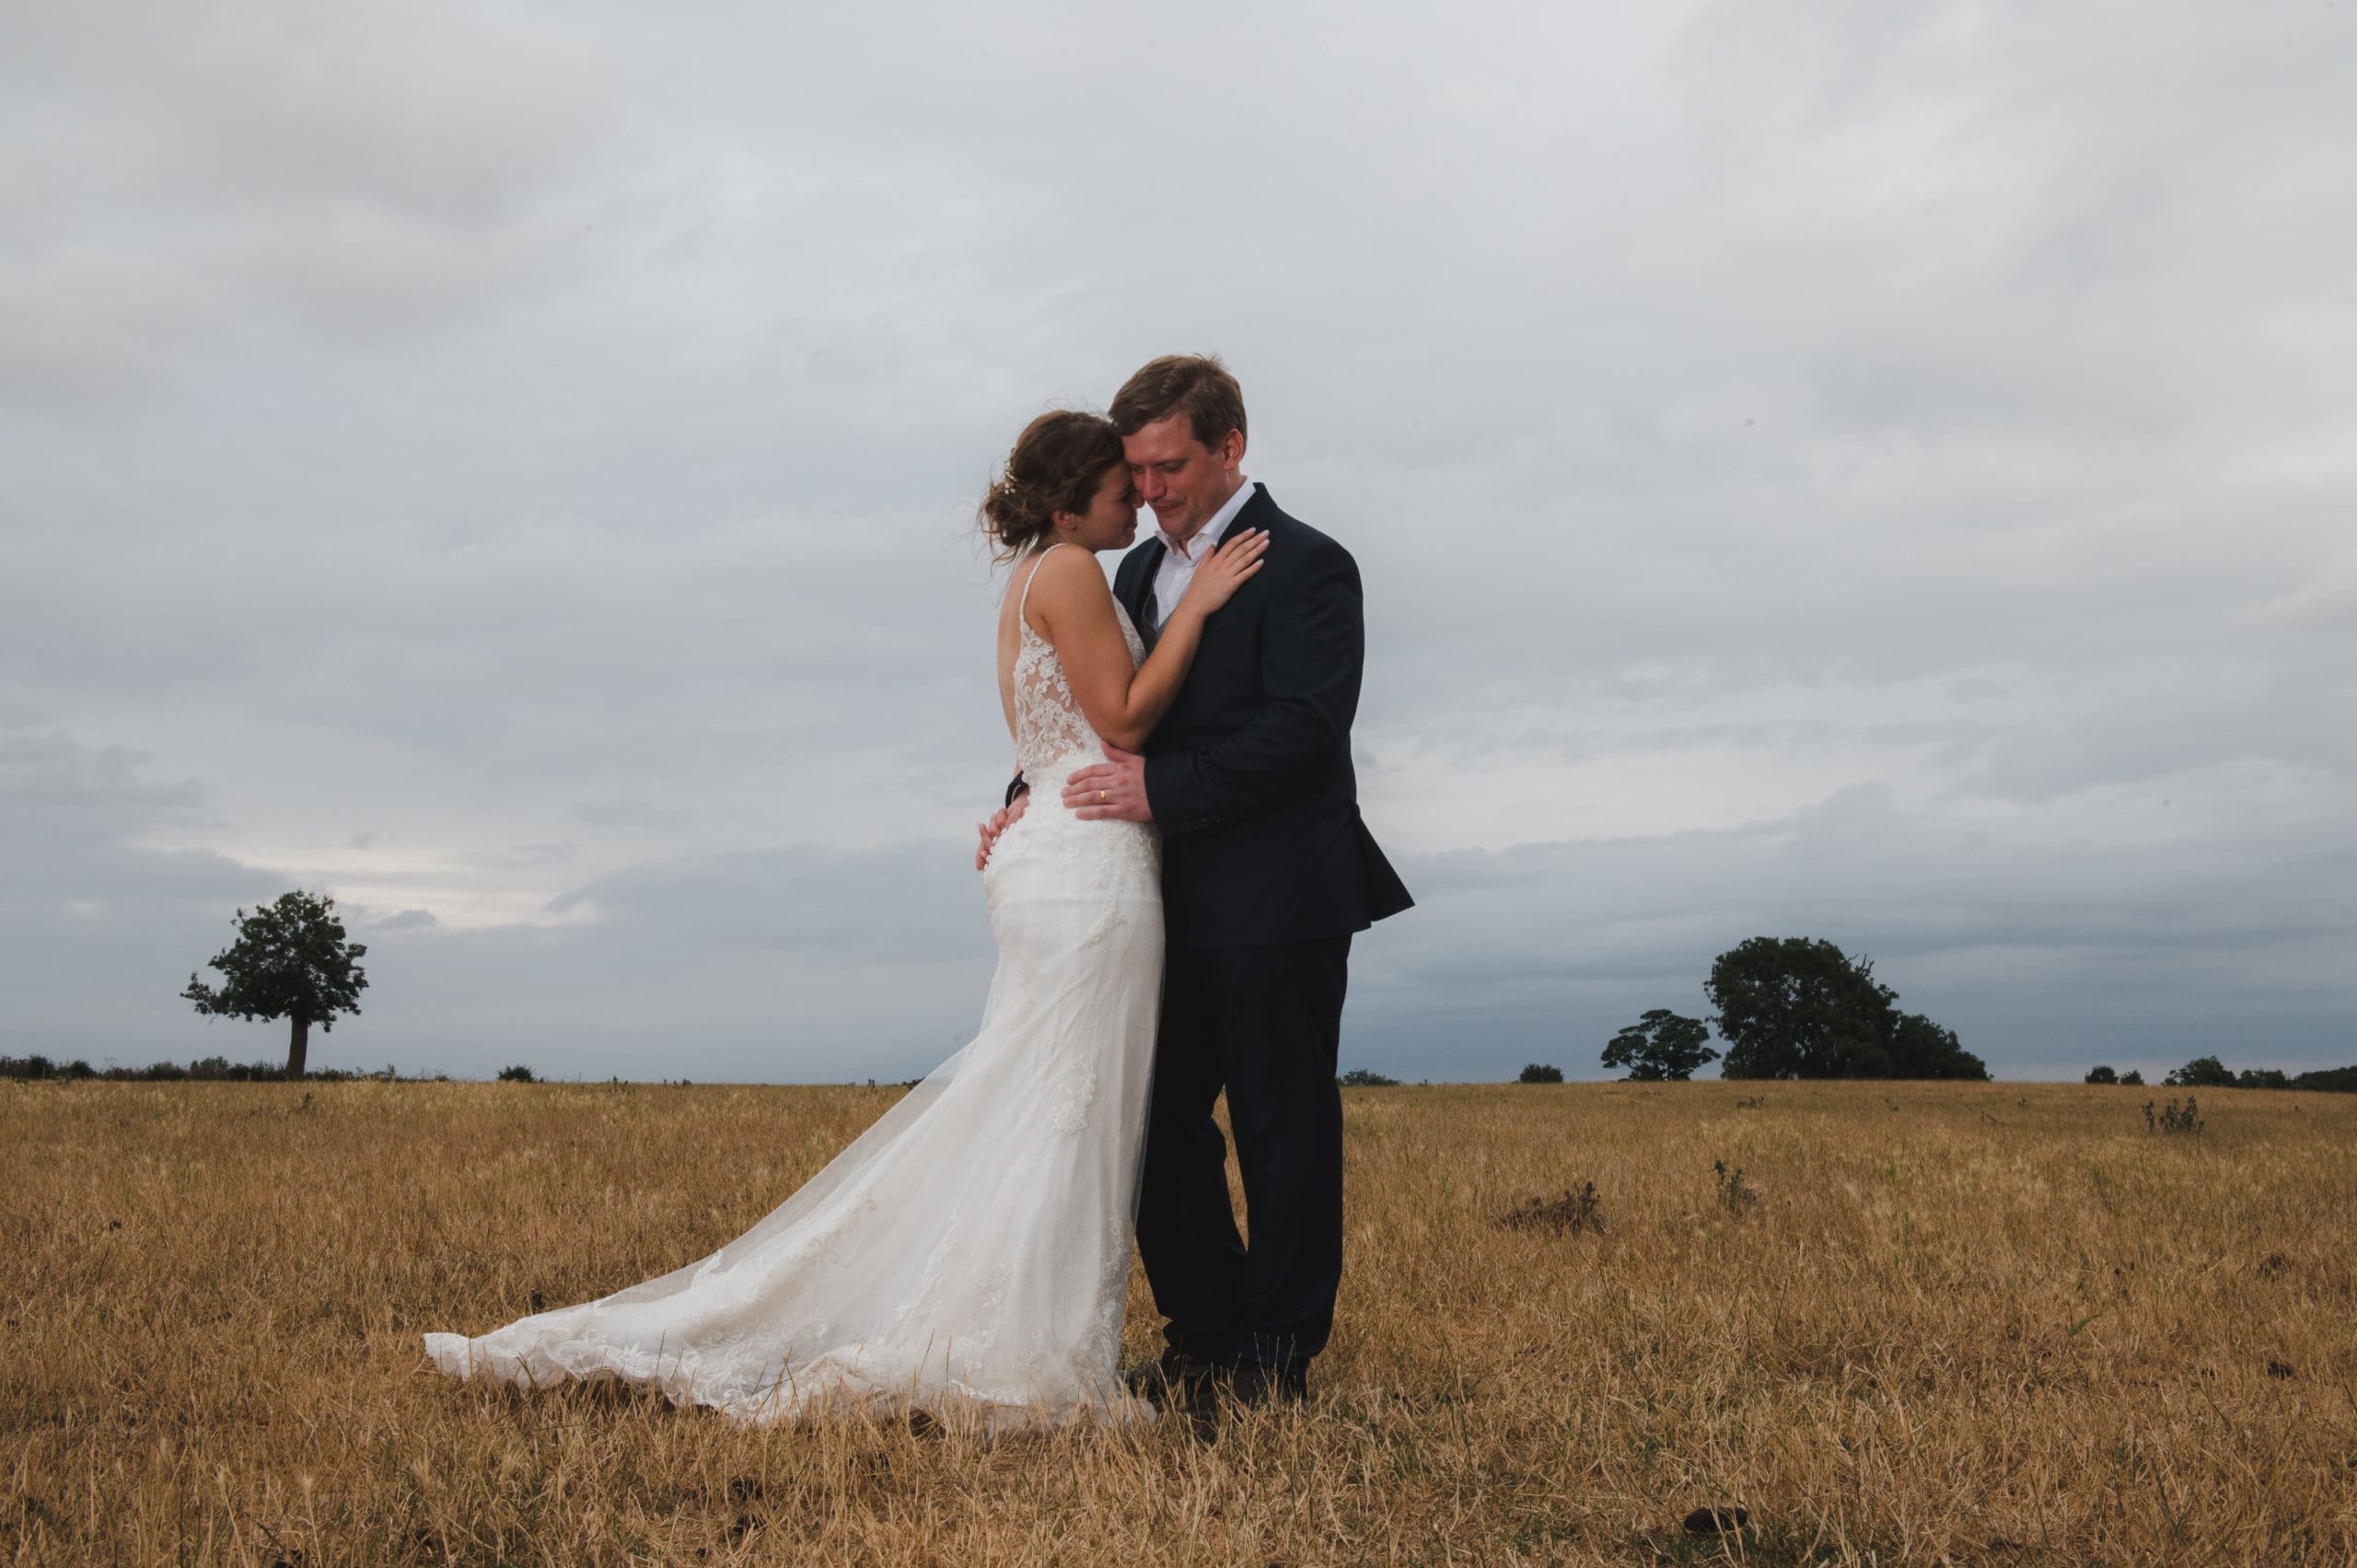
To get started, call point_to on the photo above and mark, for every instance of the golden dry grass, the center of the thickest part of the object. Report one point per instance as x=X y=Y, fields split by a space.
x=1967 y=1323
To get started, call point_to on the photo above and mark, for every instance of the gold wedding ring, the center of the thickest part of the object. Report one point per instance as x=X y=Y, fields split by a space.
x=1100 y=798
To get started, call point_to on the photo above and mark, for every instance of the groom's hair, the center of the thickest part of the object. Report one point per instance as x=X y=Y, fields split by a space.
x=1196 y=385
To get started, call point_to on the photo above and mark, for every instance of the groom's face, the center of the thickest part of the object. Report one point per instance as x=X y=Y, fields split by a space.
x=1184 y=481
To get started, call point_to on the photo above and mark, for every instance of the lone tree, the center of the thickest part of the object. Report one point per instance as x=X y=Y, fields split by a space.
x=1793 y=1007
x=1540 y=1072
x=2102 y=1073
x=290 y=961
x=1661 y=1047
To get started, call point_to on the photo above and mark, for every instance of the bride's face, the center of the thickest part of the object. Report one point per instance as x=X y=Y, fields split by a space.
x=1112 y=521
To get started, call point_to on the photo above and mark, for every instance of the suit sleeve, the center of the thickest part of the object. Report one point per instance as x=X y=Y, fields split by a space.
x=1313 y=649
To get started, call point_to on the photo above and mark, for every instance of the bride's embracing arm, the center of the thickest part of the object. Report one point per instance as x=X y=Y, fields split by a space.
x=1073 y=608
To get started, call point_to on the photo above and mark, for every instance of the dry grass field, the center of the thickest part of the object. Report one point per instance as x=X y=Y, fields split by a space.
x=1983 y=1323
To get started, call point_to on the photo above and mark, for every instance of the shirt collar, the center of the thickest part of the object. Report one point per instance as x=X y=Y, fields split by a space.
x=1207 y=537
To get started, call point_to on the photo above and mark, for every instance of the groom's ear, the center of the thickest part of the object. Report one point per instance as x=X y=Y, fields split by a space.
x=1231 y=449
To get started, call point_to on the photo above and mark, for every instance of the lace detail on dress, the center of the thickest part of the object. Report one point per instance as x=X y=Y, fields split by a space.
x=1068 y=1111
x=1048 y=725
x=1052 y=737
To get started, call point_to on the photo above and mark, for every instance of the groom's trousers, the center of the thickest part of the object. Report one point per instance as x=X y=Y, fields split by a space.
x=1264 y=1023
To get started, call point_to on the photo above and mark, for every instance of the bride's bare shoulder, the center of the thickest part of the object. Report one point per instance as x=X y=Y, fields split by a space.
x=1069 y=579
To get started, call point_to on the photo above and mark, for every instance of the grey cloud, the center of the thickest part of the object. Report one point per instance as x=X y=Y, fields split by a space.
x=51 y=781
x=623 y=811
x=2046 y=959
x=778 y=964
x=99 y=930
x=355 y=174
x=524 y=472
x=917 y=900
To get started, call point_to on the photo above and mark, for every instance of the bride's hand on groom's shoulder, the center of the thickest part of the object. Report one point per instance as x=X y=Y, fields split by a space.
x=1115 y=788
x=1216 y=582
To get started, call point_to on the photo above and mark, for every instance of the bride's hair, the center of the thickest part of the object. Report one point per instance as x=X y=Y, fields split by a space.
x=1055 y=467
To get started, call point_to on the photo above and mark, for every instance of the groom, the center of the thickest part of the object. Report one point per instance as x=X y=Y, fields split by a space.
x=1267 y=871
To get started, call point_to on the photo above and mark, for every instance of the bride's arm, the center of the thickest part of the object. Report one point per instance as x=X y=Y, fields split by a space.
x=1073 y=610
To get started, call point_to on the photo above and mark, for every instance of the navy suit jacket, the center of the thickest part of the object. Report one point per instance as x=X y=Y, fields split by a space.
x=1249 y=773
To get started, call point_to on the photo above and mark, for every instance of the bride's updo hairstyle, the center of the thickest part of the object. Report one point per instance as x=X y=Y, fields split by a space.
x=1057 y=463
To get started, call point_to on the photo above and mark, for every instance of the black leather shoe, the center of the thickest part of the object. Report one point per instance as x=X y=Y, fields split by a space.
x=1255 y=1385
x=1175 y=1380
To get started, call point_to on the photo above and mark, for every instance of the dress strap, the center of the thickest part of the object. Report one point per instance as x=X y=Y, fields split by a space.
x=1025 y=602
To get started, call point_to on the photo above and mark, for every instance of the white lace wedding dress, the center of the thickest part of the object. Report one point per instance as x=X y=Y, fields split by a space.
x=969 y=1254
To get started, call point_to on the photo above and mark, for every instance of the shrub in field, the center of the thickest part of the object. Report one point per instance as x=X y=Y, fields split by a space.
x=1716 y=1521
x=1363 y=1078
x=2261 y=1078
x=1566 y=1216
x=2172 y=1119
x=2132 y=1078
x=1735 y=1195
x=2102 y=1075
x=520 y=1073
x=1539 y=1073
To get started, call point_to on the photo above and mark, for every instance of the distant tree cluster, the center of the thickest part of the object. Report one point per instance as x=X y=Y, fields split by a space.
x=1794 y=1008
x=2209 y=1072
x=1365 y=1078
x=38 y=1067
x=1540 y=1072
x=2203 y=1073
x=207 y=1070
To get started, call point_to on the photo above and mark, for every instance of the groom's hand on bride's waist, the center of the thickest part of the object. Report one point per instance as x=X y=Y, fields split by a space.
x=1114 y=789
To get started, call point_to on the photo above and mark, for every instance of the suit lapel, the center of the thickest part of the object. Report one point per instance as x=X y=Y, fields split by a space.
x=1251 y=515
x=1146 y=561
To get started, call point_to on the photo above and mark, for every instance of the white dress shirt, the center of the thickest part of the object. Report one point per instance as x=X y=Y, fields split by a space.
x=1178 y=561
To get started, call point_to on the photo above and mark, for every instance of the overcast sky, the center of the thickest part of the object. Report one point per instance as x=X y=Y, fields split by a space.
x=1819 y=467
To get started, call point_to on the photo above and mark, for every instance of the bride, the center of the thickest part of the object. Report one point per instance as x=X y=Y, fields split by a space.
x=969 y=1254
